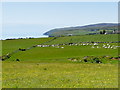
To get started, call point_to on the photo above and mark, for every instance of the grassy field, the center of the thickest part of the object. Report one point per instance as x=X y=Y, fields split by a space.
x=11 y=45
x=59 y=75
x=49 y=67
x=52 y=53
x=86 y=38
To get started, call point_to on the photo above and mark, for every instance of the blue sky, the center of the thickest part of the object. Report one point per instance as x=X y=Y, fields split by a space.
x=24 y=19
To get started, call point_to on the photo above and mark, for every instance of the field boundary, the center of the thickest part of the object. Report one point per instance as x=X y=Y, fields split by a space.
x=7 y=56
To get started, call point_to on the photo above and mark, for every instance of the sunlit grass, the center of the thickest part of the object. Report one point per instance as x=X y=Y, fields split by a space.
x=49 y=67
x=59 y=75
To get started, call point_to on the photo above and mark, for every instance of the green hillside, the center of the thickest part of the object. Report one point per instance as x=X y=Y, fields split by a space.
x=49 y=54
x=83 y=30
x=86 y=38
x=11 y=45
x=54 y=53
x=61 y=66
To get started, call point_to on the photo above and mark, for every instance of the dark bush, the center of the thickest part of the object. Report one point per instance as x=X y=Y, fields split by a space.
x=17 y=60
x=45 y=68
x=98 y=61
x=95 y=58
x=85 y=60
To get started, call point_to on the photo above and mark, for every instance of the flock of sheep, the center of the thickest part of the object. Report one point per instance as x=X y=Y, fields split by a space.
x=93 y=45
x=106 y=46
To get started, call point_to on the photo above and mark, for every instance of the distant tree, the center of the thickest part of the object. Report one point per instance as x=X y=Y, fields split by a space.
x=101 y=32
x=104 y=31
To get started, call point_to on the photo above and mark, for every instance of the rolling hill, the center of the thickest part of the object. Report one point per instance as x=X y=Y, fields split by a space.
x=41 y=53
x=82 y=30
x=64 y=66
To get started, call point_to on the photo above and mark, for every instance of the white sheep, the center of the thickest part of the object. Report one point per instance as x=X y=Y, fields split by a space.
x=93 y=47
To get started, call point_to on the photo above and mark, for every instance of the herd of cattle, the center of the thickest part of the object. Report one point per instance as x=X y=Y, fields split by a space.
x=93 y=45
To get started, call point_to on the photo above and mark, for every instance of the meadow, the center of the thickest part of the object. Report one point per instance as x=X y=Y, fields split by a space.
x=59 y=75
x=86 y=38
x=12 y=45
x=50 y=67
x=58 y=54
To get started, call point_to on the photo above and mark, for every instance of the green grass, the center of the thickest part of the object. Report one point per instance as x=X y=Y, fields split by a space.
x=11 y=45
x=73 y=32
x=59 y=75
x=52 y=53
x=86 y=38
x=49 y=67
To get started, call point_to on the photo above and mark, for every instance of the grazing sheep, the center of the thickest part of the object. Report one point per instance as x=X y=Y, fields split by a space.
x=93 y=47
x=87 y=44
x=105 y=47
x=84 y=44
x=109 y=46
x=98 y=47
x=95 y=44
x=39 y=45
x=52 y=45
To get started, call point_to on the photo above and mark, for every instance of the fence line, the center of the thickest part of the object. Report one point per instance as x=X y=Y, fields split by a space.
x=7 y=56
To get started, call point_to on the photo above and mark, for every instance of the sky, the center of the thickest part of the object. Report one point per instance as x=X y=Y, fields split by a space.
x=32 y=19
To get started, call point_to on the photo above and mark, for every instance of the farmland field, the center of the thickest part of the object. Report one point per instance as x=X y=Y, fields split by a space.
x=86 y=38
x=11 y=45
x=61 y=66
x=59 y=75
x=52 y=53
